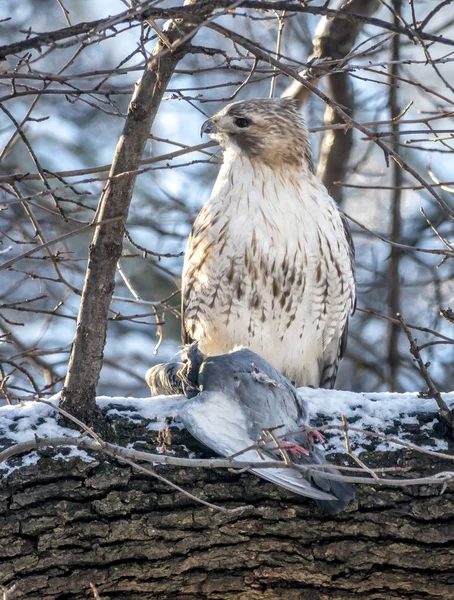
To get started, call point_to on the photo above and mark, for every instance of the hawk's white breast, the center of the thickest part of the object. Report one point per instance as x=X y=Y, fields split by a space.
x=268 y=267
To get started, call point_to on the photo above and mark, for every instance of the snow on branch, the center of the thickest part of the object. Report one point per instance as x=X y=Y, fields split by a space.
x=353 y=422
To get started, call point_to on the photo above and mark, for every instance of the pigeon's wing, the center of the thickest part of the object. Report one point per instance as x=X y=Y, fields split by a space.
x=220 y=422
x=267 y=398
x=254 y=396
x=295 y=482
x=163 y=379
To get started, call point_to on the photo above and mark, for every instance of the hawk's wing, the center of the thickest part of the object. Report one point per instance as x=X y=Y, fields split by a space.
x=186 y=338
x=190 y=272
x=185 y=291
x=198 y=249
x=335 y=350
x=351 y=246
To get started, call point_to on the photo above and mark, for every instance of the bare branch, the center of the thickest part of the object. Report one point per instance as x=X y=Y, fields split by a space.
x=78 y=395
x=446 y=414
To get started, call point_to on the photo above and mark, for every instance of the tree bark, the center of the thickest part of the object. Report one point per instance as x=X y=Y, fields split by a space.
x=67 y=523
x=334 y=39
x=394 y=282
x=78 y=395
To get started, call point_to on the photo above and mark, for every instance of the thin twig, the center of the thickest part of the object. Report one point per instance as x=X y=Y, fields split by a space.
x=351 y=453
x=445 y=413
x=121 y=452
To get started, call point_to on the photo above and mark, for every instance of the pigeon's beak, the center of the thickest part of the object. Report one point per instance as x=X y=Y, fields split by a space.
x=208 y=127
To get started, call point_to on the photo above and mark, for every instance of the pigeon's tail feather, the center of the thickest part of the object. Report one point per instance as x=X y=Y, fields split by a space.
x=341 y=492
x=295 y=482
x=163 y=379
x=334 y=507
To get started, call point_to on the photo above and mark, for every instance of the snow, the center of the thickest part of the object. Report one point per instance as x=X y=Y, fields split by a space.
x=20 y=423
x=394 y=414
x=29 y=459
x=379 y=412
x=378 y=407
x=148 y=408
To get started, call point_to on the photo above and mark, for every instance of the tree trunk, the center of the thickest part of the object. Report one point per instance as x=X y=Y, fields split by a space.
x=66 y=523
x=334 y=39
x=85 y=362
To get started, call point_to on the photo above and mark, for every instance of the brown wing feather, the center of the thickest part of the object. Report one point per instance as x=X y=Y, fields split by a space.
x=351 y=245
x=185 y=335
x=335 y=351
x=186 y=338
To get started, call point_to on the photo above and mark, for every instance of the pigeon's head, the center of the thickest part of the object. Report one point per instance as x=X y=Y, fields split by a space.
x=269 y=130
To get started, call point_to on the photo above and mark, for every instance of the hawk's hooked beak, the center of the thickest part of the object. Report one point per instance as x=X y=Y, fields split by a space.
x=208 y=127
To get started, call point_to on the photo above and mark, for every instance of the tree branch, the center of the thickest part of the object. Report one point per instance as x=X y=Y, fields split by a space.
x=255 y=50
x=127 y=455
x=396 y=216
x=145 y=12
x=446 y=414
x=78 y=395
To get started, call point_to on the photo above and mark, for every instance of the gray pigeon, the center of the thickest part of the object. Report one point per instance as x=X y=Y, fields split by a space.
x=233 y=399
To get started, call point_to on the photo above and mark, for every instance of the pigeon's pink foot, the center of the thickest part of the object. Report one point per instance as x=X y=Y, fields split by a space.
x=314 y=435
x=293 y=448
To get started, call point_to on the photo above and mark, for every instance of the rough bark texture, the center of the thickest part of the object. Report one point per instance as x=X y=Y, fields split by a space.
x=78 y=396
x=64 y=524
x=334 y=39
x=336 y=144
x=394 y=282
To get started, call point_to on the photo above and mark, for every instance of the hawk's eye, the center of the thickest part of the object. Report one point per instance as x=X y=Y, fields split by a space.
x=242 y=122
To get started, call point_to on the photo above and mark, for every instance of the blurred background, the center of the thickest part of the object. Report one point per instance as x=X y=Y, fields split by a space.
x=63 y=109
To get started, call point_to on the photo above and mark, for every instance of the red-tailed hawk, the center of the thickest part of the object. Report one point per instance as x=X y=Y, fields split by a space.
x=269 y=262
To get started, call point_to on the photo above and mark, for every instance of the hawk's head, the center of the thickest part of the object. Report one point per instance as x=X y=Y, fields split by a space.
x=271 y=130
